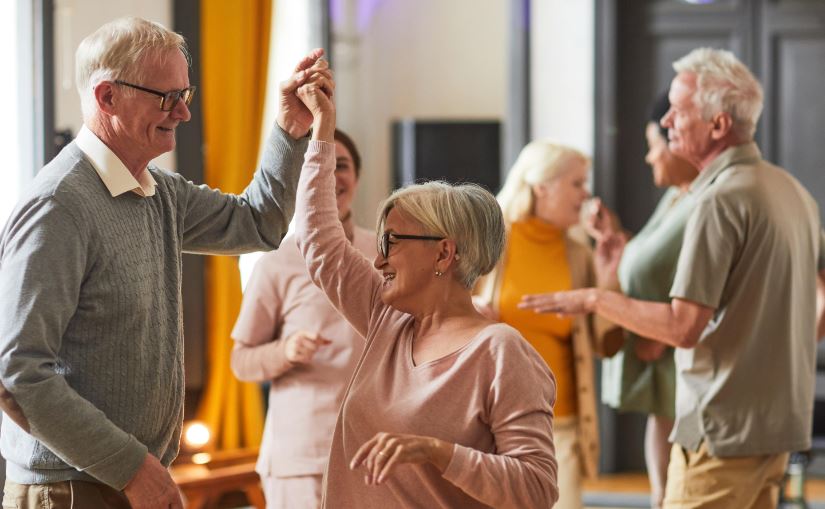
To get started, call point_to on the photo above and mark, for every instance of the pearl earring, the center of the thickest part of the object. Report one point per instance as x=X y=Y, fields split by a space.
x=438 y=273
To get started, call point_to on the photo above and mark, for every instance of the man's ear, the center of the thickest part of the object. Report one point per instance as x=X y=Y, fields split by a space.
x=105 y=97
x=722 y=125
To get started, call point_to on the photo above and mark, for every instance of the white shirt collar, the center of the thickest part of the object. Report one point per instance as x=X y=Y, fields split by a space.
x=114 y=174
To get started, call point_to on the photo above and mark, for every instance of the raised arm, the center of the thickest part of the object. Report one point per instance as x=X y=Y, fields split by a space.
x=340 y=270
x=257 y=219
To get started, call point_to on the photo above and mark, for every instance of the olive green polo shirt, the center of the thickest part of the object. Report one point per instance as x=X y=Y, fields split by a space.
x=752 y=249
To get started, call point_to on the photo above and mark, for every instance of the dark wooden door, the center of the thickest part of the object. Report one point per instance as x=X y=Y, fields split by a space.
x=782 y=41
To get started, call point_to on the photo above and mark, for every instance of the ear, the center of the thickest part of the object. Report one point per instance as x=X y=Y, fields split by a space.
x=447 y=255
x=539 y=189
x=105 y=97
x=721 y=125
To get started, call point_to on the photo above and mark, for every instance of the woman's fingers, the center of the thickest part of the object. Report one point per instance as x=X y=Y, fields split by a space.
x=393 y=460
x=361 y=454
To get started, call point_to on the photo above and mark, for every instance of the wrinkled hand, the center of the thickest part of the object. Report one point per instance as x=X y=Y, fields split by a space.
x=153 y=487
x=573 y=302
x=485 y=309
x=606 y=259
x=293 y=115
x=385 y=451
x=302 y=346
x=648 y=350
x=600 y=221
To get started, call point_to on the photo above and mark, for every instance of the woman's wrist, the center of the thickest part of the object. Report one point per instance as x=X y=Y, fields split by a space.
x=323 y=128
x=441 y=453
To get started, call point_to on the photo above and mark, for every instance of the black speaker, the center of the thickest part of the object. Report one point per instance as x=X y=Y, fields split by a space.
x=455 y=151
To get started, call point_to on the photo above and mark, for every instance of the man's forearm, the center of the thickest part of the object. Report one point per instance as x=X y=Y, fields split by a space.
x=673 y=323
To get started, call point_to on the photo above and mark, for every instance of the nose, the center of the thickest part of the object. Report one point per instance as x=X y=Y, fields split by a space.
x=666 y=119
x=181 y=111
x=379 y=261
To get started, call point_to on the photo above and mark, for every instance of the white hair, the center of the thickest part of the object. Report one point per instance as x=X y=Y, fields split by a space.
x=466 y=213
x=538 y=162
x=118 y=50
x=724 y=84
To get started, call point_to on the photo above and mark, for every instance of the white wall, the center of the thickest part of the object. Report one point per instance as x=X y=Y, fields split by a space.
x=562 y=65
x=74 y=20
x=430 y=59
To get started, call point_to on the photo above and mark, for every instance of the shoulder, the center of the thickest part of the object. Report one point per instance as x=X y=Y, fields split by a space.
x=510 y=351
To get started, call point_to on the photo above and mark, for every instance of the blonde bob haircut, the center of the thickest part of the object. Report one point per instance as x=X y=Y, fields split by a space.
x=724 y=84
x=539 y=161
x=118 y=51
x=466 y=213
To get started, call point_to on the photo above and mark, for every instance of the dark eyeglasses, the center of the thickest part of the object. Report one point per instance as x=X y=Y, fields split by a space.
x=384 y=241
x=168 y=100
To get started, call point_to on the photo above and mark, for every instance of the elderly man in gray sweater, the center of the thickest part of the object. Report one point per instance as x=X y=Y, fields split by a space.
x=91 y=346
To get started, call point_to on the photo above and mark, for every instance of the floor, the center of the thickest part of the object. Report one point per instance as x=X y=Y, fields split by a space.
x=626 y=491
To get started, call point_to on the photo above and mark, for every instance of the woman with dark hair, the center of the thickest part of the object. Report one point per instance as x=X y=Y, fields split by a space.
x=641 y=377
x=289 y=334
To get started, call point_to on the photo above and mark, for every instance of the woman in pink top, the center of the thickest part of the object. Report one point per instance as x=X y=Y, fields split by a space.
x=288 y=333
x=445 y=408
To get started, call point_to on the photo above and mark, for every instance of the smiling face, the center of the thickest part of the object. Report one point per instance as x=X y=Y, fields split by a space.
x=559 y=200
x=410 y=266
x=689 y=134
x=345 y=179
x=141 y=130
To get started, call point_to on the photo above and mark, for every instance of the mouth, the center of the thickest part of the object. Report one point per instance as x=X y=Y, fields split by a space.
x=388 y=277
x=167 y=129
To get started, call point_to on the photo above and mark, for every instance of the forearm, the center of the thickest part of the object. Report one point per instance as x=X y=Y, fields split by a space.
x=655 y=320
x=256 y=220
x=259 y=363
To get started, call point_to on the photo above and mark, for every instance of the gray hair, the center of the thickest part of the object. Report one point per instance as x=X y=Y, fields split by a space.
x=466 y=213
x=724 y=84
x=539 y=161
x=118 y=50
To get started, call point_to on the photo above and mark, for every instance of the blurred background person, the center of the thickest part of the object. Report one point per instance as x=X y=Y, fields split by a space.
x=289 y=334
x=641 y=377
x=542 y=199
x=446 y=408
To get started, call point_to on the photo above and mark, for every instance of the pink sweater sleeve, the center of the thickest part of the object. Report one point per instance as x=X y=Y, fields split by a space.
x=257 y=355
x=340 y=270
x=522 y=472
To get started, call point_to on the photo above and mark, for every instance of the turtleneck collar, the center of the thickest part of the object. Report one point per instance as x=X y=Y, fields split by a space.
x=538 y=230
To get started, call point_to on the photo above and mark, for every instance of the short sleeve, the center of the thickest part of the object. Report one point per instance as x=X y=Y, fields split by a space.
x=712 y=238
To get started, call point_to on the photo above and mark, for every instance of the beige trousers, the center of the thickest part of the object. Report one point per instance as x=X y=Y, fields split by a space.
x=299 y=492
x=698 y=480
x=568 y=455
x=63 y=495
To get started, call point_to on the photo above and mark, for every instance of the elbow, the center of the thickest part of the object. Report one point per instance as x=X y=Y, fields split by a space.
x=686 y=338
x=237 y=365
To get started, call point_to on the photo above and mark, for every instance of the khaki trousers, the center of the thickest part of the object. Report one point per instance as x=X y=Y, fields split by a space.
x=568 y=456
x=63 y=495
x=299 y=492
x=698 y=480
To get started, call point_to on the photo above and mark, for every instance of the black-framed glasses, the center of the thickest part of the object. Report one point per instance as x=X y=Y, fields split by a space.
x=384 y=241
x=168 y=100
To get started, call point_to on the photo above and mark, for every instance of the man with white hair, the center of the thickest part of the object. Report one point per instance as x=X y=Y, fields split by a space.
x=743 y=314
x=91 y=343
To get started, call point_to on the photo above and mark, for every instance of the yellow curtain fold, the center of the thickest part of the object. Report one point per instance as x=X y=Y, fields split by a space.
x=234 y=56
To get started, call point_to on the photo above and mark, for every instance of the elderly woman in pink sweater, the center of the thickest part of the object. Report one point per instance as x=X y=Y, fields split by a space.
x=445 y=408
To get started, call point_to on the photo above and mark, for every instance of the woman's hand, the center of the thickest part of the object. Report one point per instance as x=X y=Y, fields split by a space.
x=316 y=94
x=293 y=115
x=385 y=451
x=648 y=350
x=606 y=258
x=301 y=347
x=573 y=302
x=600 y=221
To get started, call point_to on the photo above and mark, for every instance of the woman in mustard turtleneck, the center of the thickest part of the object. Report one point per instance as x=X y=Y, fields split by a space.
x=541 y=201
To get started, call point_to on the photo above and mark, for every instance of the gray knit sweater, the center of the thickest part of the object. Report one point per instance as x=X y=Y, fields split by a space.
x=91 y=334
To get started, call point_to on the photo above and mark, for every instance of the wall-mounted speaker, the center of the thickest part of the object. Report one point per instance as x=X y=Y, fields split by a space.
x=455 y=151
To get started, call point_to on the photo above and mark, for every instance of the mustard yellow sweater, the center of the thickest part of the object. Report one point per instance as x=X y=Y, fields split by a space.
x=536 y=262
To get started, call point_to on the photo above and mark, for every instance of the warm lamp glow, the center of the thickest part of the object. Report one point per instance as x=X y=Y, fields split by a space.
x=196 y=435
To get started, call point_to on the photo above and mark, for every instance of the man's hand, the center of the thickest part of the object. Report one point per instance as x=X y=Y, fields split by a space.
x=301 y=347
x=293 y=116
x=600 y=221
x=152 y=487
x=572 y=302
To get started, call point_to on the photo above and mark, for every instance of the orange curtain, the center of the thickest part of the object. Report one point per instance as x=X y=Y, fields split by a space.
x=234 y=56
